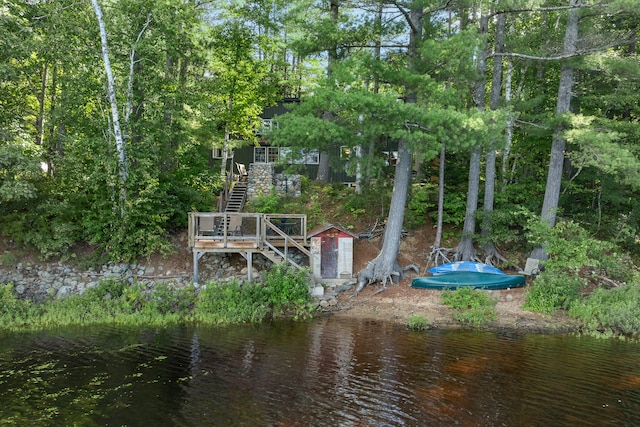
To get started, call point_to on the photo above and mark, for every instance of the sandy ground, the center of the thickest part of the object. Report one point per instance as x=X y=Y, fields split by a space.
x=398 y=302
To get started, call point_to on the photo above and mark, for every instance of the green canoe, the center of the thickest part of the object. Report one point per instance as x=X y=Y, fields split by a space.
x=471 y=279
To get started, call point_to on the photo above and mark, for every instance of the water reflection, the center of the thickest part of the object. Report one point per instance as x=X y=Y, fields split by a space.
x=323 y=372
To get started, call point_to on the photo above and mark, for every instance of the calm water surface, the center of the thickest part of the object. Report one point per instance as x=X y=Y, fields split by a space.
x=327 y=372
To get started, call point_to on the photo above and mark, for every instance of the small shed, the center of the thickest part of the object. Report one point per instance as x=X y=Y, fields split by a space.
x=331 y=252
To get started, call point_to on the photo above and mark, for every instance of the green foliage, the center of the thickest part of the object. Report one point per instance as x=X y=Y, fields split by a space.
x=168 y=298
x=267 y=203
x=613 y=311
x=8 y=259
x=572 y=255
x=287 y=291
x=568 y=245
x=284 y=293
x=453 y=210
x=418 y=323
x=19 y=172
x=227 y=303
x=553 y=291
x=420 y=201
x=470 y=306
x=14 y=311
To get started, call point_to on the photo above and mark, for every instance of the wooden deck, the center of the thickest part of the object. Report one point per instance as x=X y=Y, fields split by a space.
x=272 y=235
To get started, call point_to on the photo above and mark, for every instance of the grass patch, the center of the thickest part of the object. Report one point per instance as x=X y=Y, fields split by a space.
x=418 y=323
x=470 y=306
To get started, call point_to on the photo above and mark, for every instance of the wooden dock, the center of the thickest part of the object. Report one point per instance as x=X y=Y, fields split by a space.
x=272 y=235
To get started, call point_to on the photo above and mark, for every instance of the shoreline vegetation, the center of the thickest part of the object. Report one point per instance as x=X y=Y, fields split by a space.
x=587 y=285
x=283 y=294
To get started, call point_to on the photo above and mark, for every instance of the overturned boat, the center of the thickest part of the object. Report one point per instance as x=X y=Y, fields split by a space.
x=467 y=274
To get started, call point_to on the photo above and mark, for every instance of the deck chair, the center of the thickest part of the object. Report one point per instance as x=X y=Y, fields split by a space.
x=242 y=171
x=206 y=226
x=235 y=226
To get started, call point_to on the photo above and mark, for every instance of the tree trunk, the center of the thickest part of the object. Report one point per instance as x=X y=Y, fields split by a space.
x=465 y=250
x=225 y=147
x=384 y=268
x=556 y=162
x=117 y=133
x=490 y=159
x=438 y=240
x=510 y=122
x=41 y=96
x=332 y=57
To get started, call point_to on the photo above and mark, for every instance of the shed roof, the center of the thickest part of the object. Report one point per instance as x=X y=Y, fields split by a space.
x=324 y=227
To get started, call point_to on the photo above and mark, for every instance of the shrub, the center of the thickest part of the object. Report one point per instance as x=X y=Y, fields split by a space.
x=418 y=323
x=613 y=311
x=419 y=205
x=227 y=303
x=454 y=209
x=267 y=203
x=13 y=310
x=471 y=306
x=552 y=291
x=286 y=291
x=571 y=249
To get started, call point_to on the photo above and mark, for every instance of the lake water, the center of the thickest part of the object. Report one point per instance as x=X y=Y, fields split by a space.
x=325 y=372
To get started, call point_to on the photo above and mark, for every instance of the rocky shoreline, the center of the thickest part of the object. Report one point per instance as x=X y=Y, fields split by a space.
x=40 y=281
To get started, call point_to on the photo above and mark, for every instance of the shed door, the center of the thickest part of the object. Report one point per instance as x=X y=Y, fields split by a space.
x=329 y=263
x=345 y=258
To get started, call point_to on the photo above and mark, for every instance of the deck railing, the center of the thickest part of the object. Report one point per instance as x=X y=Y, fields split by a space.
x=247 y=230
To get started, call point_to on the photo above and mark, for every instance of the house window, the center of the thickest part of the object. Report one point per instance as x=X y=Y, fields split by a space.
x=312 y=157
x=266 y=126
x=260 y=155
x=300 y=157
x=216 y=153
x=391 y=158
x=265 y=154
x=275 y=154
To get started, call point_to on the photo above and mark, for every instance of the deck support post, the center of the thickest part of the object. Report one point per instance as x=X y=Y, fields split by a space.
x=196 y=257
x=250 y=266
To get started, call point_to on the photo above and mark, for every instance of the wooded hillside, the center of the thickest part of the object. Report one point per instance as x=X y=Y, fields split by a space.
x=509 y=116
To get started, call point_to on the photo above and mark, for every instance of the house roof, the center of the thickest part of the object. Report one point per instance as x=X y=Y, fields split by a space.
x=326 y=226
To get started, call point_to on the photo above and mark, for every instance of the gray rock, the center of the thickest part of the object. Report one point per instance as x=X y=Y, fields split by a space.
x=63 y=292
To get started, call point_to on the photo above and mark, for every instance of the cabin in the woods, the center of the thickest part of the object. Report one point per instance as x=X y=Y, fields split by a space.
x=264 y=160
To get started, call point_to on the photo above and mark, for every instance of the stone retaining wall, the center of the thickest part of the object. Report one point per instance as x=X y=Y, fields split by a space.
x=39 y=281
x=262 y=180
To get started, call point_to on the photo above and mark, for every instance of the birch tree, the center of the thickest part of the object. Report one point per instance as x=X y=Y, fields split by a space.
x=123 y=170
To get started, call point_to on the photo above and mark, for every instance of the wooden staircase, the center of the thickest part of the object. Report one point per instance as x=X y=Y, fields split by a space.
x=237 y=198
x=235 y=203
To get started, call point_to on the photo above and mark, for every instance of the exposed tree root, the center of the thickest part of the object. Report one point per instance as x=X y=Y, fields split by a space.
x=466 y=256
x=370 y=274
x=438 y=256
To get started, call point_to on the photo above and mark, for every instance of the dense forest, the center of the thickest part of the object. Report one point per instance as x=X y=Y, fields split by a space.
x=516 y=121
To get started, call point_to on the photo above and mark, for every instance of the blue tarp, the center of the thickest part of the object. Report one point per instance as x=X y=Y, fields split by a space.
x=452 y=267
